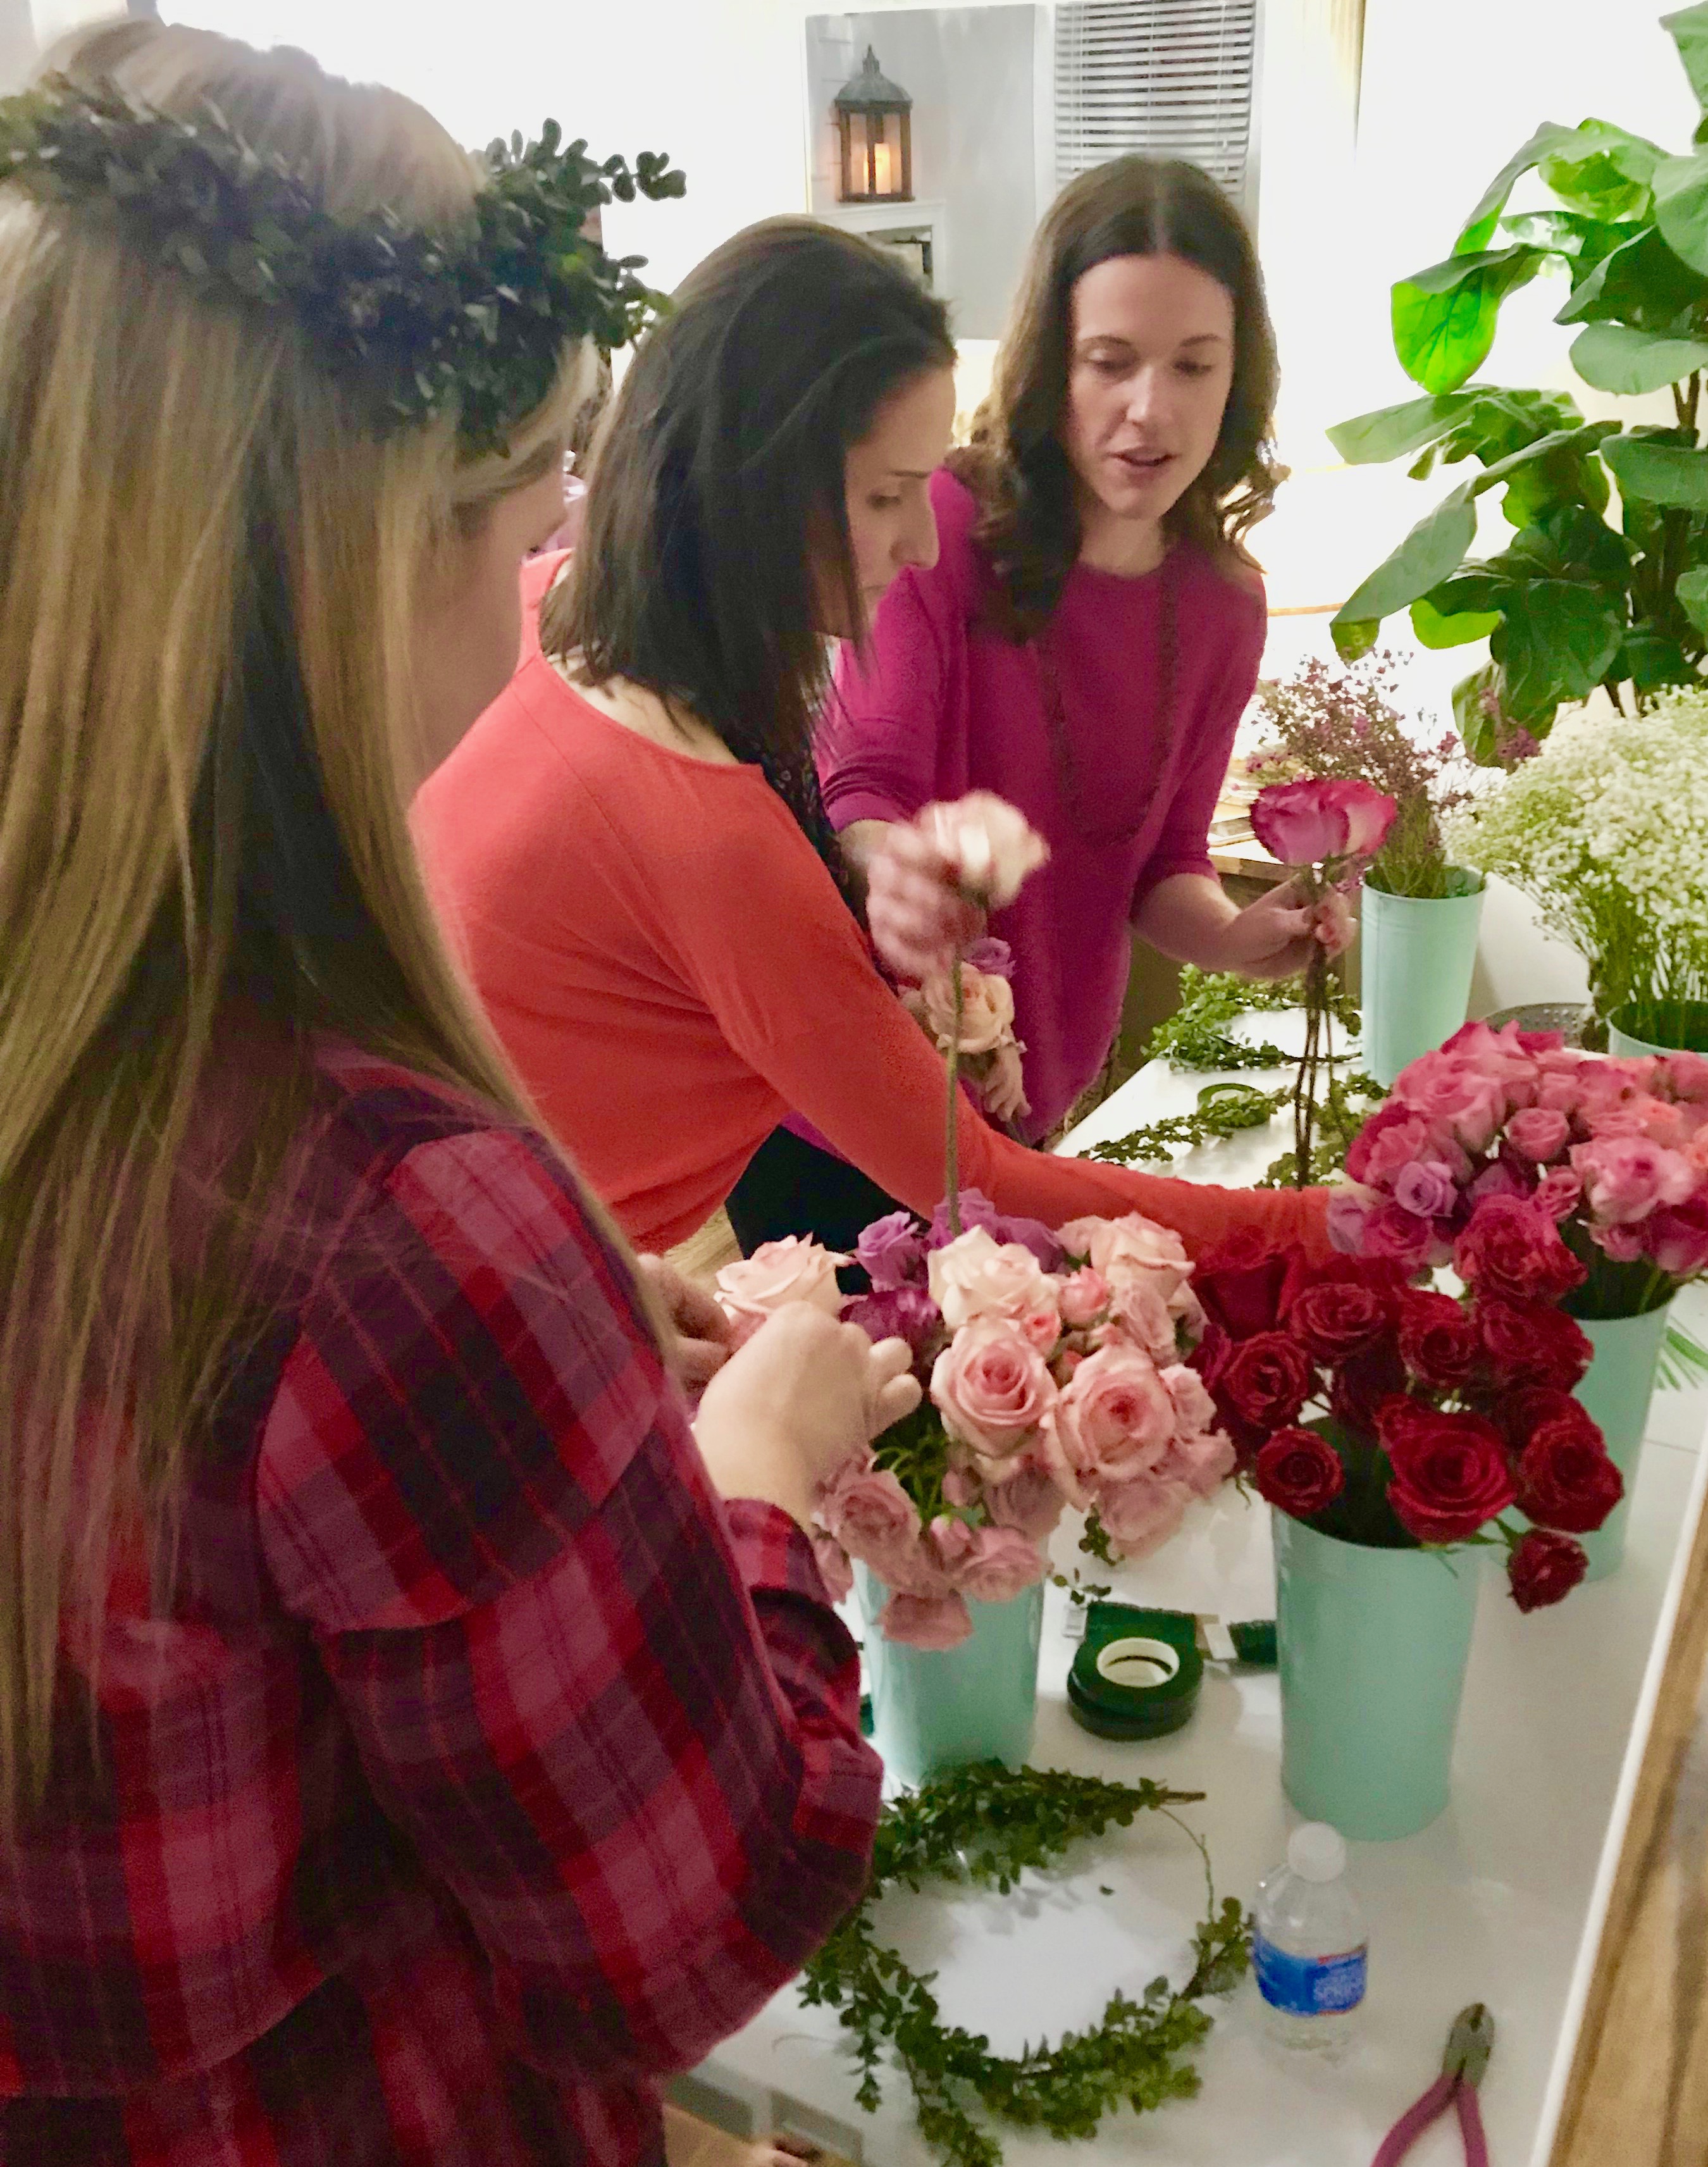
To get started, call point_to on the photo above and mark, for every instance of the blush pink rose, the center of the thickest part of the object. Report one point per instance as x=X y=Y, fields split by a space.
x=1203 y=1461
x=779 y=1273
x=926 y=1621
x=1083 y=1297
x=1139 y=1517
x=990 y=845
x=976 y=1275
x=1456 y=1098
x=868 y=1513
x=1194 y=1410
x=1427 y=1188
x=987 y=1565
x=1114 y=1420
x=1538 y=1133
x=1686 y=1075
x=1029 y=1500
x=1133 y=1241
x=1558 y=1193
x=833 y=1567
x=992 y=1389
x=1139 y=1315
x=986 y=1010
x=1625 y=1178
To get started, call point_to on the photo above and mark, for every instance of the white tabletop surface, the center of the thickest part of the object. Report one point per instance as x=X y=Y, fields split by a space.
x=1498 y=1901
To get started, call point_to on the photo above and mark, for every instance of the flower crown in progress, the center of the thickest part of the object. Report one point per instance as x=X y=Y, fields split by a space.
x=475 y=319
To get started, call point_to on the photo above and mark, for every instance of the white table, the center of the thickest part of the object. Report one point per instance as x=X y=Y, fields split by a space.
x=1501 y=1901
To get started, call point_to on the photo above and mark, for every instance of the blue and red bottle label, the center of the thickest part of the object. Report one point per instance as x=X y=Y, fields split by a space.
x=1309 y=1986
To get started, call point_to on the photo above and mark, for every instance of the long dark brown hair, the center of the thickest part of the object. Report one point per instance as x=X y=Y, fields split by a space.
x=717 y=510
x=1016 y=463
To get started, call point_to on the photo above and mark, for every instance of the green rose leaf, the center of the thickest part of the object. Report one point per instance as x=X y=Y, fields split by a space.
x=1557 y=641
x=1444 y=317
x=1391 y=432
x=1681 y=208
x=1692 y=591
x=1433 y=629
x=1435 y=547
x=1690 y=33
x=1661 y=474
x=1614 y=357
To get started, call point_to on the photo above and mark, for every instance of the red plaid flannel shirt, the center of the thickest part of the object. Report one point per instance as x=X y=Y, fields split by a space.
x=485 y=1766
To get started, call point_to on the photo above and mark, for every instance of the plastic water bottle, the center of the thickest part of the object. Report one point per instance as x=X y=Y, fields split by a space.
x=1310 y=1948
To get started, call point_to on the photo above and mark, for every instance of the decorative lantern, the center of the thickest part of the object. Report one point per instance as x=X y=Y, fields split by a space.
x=874 y=120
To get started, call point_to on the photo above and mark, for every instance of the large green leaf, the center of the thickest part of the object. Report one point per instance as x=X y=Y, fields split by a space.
x=1643 y=283
x=1689 y=31
x=1569 y=543
x=1478 y=230
x=1692 y=591
x=1433 y=629
x=1557 y=641
x=1391 y=432
x=1615 y=357
x=1681 y=208
x=1434 y=547
x=1662 y=474
x=1605 y=171
x=1650 y=659
x=1444 y=317
x=1582 y=241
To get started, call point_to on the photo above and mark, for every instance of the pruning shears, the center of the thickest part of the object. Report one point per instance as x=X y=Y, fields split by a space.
x=1470 y=2043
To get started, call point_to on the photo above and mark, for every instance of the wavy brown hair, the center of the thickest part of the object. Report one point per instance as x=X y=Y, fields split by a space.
x=1016 y=463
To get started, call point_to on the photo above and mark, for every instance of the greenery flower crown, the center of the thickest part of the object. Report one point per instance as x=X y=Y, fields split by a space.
x=475 y=320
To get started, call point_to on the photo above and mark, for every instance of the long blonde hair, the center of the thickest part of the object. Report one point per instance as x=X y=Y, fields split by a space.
x=210 y=568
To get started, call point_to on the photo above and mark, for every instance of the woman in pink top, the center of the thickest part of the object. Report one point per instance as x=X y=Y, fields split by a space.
x=1090 y=632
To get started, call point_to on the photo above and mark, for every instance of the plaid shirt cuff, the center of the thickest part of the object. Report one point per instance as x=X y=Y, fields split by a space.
x=772 y=1551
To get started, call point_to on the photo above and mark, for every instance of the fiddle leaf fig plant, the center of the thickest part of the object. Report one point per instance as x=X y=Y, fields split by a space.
x=1579 y=597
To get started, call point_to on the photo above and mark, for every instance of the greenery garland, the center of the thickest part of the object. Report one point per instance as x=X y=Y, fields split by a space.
x=987 y=1825
x=1197 y=1034
x=1223 y=1110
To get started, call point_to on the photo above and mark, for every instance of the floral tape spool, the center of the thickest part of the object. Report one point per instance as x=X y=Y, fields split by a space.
x=1137 y=1673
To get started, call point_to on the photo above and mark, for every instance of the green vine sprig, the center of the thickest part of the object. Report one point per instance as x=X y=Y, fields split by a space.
x=1197 y=1034
x=1223 y=1110
x=1343 y=1109
x=988 y=1825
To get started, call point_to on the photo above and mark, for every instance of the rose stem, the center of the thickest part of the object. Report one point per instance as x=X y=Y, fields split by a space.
x=952 y=1140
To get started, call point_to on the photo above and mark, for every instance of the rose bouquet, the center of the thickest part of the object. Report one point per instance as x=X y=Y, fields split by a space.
x=1057 y=1374
x=1539 y=1172
x=1393 y=1417
x=1327 y=830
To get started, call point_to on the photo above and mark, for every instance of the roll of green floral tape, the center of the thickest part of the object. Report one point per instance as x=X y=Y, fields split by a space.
x=1137 y=1673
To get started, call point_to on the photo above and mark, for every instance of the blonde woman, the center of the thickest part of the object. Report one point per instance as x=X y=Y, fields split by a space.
x=410 y=1745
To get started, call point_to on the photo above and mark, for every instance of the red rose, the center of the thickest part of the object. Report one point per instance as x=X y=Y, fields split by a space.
x=1518 y=1415
x=1514 y=1252
x=1363 y=1383
x=1245 y=1282
x=1565 y=1479
x=1450 y=1476
x=1532 y=1342
x=1266 y=1381
x=1342 y=1313
x=1545 y=1568
x=1438 y=1339
x=1399 y=1419
x=1299 y=1472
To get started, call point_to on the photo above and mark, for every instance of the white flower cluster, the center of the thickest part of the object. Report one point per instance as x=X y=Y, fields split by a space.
x=1606 y=829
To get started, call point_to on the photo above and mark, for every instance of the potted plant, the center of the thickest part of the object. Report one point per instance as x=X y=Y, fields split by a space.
x=1420 y=913
x=1393 y=1429
x=1543 y=1174
x=1606 y=831
x=1578 y=599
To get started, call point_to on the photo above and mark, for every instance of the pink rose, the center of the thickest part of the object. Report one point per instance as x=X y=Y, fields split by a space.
x=987 y=1011
x=1138 y=1314
x=926 y=1621
x=1514 y=1252
x=779 y=1273
x=1349 y=1219
x=1029 y=1500
x=990 y=846
x=1686 y=1075
x=987 y=1565
x=1498 y=1178
x=1083 y=1297
x=1558 y=1193
x=1625 y=1178
x=1454 y=1097
x=1675 y=1238
x=1393 y=1137
x=1624 y=1244
x=891 y=1251
x=1114 y=1420
x=1139 y=1517
x=1304 y=823
x=1041 y=1328
x=868 y=1513
x=976 y=1275
x=991 y=1388
x=1427 y=1188
x=833 y=1567
x=1194 y=1410
x=1398 y=1236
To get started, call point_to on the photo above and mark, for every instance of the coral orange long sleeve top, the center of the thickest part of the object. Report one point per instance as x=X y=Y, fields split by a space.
x=672 y=970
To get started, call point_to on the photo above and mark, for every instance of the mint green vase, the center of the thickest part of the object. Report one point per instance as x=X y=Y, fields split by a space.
x=934 y=1708
x=1683 y=1026
x=1616 y=1388
x=1373 y=1644
x=1416 y=956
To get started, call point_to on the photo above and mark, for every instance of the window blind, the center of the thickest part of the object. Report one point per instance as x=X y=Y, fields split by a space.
x=1172 y=78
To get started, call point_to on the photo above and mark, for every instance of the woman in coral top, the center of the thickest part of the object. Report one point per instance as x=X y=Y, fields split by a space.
x=629 y=848
x=1089 y=635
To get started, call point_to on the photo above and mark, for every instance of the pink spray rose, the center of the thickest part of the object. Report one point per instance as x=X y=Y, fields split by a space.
x=1027 y=1500
x=987 y=1565
x=1082 y=1298
x=1625 y=1178
x=1427 y=1188
x=1111 y=1421
x=1132 y=1240
x=868 y=1513
x=1139 y=1315
x=976 y=1275
x=991 y=1388
x=1558 y=1193
x=1538 y=1133
x=990 y=844
x=1139 y=1517
x=779 y=1273
x=1303 y=823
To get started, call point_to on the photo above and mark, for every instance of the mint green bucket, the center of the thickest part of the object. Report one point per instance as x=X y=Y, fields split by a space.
x=1373 y=1644
x=1683 y=1025
x=1416 y=956
x=1616 y=1388
x=934 y=1708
